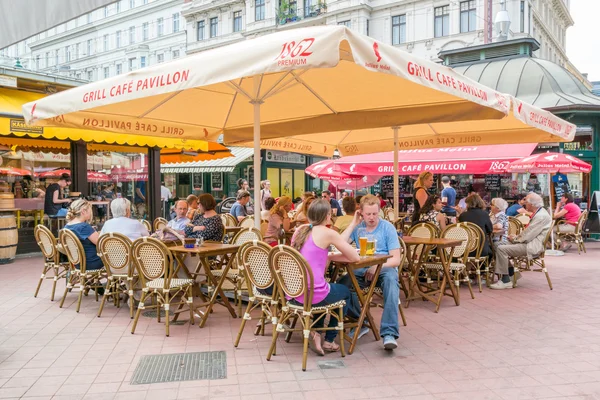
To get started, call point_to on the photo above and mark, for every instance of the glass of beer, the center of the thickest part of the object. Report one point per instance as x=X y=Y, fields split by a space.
x=371 y=245
x=362 y=241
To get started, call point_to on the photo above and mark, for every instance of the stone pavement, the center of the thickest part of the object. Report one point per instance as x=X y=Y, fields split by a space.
x=523 y=343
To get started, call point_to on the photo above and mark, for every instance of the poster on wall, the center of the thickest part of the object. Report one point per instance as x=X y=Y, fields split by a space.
x=299 y=188
x=273 y=177
x=286 y=182
x=197 y=182
x=216 y=179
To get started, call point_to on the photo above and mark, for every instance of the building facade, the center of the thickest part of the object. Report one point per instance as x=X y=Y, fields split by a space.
x=112 y=40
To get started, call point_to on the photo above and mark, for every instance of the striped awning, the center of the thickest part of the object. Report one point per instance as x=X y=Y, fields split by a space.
x=240 y=154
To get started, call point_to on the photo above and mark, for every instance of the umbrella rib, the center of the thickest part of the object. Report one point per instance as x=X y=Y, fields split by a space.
x=285 y=86
x=239 y=89
x=158 y=105
x=432 y=128
x=301 y=81
x=229 y=111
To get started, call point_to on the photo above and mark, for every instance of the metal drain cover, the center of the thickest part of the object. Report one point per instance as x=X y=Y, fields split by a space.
x=152 y=313
x=337 y=364
x=180 y=367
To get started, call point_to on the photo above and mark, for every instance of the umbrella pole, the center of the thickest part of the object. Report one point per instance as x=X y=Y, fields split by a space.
x=396 y=192
x=256 y=103
x=553 y=251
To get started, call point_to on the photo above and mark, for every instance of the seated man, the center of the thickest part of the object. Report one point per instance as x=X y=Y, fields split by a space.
x=516 y=208
x=180 y=221
x=122 y=223
x=238 y=210
x=528 y=243
x=387 y=243
x=569 y=212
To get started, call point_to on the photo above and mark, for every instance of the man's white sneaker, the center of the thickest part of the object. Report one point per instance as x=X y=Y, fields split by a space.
x=389 y=343
x=501 y=285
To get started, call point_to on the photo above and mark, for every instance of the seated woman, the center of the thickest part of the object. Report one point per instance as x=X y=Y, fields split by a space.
x=277 y=219
x=269 y=203
x=79 y=216
x=349 y=207
x=499 y=220
x=431 y=211
x=300 y=218
x=207 y=224
x=477 y=214
x=313 y=242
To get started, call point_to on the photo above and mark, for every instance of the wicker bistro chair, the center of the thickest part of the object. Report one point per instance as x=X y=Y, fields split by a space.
x=477 y=263
x=146 y=224
x=234 y=275
x=154 y=264
x=294 y=278
x=254 y=262
x=575 y=236
x=424 y=230
x=81 y=278
x=159 y=223
x=536 y=264
x=523 y=219
x=228 y=220
x=48 y=245
x=115 y=251
x=514 y=226
x=247 y=222
x=458 y=258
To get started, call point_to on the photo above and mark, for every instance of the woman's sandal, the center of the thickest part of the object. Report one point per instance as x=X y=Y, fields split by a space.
x=315 y=343
x=331 y=347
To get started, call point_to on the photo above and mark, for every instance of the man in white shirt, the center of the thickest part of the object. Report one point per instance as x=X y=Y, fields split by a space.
x=165 y=195
x=181 y=220
x=122 y=222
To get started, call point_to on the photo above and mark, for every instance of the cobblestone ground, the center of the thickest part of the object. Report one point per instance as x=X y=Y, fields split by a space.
x=523 y=343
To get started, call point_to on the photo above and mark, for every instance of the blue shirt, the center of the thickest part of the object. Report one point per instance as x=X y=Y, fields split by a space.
x=512 y=210
x=385 y=234
x=450 y=193
x=142 y=186
x=83 y=231
x=238 y=210
x=336 y=205
x=178 y=224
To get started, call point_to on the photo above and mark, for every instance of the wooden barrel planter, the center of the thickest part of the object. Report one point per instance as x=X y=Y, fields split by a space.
x=7 y=201
x=9 y=236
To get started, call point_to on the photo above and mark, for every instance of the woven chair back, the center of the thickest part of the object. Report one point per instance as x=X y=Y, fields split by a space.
x=514 y=226
x=228 y=220
x=255 y=259
x=160 y=223
x=476 y=238
x=292 y=273
x=146 y=224
x=523 y=219
x=581 y=222
x=460 y=232
x=247 y=222
x=115 y=251
x=547 y=239
x=390 y=215
x=47 y=242
x=425 y=230
x=246 y=235
x=152 y=259
x=73 y=248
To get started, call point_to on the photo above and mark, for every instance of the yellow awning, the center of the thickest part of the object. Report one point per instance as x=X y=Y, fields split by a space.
x=12 y=123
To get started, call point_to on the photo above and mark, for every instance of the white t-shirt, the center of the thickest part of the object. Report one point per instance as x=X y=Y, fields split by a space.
x=165 y=193
x=132 y=228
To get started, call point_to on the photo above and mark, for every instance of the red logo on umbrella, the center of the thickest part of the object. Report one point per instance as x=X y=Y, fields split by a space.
x=376 y=50
x=33 y=108
x=519 y=108
x=205 y=133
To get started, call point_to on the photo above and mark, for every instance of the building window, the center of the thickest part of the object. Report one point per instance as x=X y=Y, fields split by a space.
x=37 y=62
x=145 y=31
x=468 y=16
x=346 y=23
x=89 y=47
x=131 y=34
x=159 y=27
x=308 y=8
x=90 y=75
x=160 y=58
x=529 y=19
x=142 y=61
x=175 y=54
x=76 y=51
x=214 y=24
x=118 y=39
x=118 y=7
x=442 y=21
x=399 y=29
x=119 y=69
x=105 y=11
x=67 y=54
x=200 y=30
x=176 y=22
x=293 y=8
x=237 y=21
x=56 y=57
x=522 y=15
x=105 y=42
x=131 y=3
x=259 y=10
x=89 y=18
x=144 y=1
x=47 y=61
x=106 y=72
x=132 y=64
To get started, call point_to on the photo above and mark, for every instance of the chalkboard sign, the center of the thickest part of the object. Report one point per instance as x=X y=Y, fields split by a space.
x=561 y=186
x=492 y=182
x=216 y=180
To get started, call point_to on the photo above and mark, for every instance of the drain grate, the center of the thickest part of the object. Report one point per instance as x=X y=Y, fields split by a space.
x=152 y=313
x=180 y=367
x=337 y=364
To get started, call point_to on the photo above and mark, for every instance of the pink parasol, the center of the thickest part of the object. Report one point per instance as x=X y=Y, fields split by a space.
x=545 y=163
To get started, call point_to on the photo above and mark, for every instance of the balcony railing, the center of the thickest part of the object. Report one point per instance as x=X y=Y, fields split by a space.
x=287 y=14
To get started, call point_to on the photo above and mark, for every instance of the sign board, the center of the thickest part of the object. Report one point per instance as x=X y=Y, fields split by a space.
x=9 y=81
x=197 y=182
x=19 y=125
x=560 y=183
x=285 y=157
x=492 y=182
x=216 y=181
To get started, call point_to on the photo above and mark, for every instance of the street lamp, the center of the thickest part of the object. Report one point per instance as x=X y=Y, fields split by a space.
x=502 y=23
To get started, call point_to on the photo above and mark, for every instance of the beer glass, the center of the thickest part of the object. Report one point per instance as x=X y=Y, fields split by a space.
x=362 y=241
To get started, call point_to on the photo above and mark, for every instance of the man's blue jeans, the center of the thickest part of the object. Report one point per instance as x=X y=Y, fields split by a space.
x=388 y=281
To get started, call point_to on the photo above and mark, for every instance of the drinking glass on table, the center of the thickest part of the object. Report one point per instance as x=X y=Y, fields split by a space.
x=371 y=242
x=362 y=241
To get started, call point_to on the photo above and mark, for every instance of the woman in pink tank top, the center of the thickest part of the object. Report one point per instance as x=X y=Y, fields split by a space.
x=313 y=241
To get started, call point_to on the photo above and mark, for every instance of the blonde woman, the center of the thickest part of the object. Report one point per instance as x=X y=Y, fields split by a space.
x=278 y=218
x=79 y=215
x=420 y=195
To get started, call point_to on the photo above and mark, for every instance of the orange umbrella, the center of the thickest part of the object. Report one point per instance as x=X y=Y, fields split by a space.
x=14 y=171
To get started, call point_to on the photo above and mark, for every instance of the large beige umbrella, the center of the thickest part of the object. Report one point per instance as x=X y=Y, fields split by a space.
x=295 y=82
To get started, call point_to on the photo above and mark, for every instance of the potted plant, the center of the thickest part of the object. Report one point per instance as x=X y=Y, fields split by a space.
x=282 y=12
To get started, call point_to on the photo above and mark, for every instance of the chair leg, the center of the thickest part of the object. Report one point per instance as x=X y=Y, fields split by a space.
x=190 y=302
x=41 y=280
x=341 y=330
x=82 y=286
x=273 y=341
x=245 y=317
x=305 y=335
x=139 y=311
x=107 y=293
x=64 y=295
x=166 y=306
x=478 y=273
x=545 y=270
x=288 y=335
x=131 y=302
x=469 y=283
x=401 y=312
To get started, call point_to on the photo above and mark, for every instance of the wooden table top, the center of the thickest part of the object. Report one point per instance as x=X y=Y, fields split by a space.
x=367 y=261
x=208 y=248
x=440 y=242
x=230 y=229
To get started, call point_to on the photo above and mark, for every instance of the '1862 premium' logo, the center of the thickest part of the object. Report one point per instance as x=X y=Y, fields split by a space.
x=293 y=53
